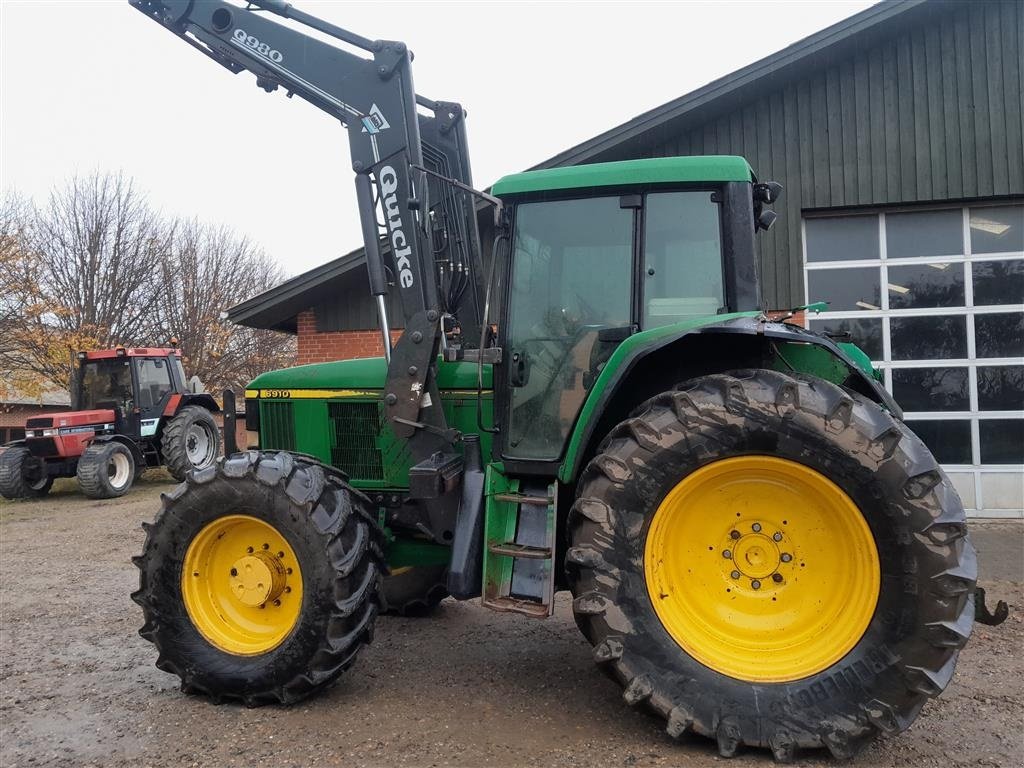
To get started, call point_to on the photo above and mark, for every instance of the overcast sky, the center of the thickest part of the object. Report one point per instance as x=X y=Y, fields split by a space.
x=95 y=85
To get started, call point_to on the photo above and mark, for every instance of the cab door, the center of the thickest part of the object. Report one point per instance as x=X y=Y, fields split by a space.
x=154 y=389
x=570 y=295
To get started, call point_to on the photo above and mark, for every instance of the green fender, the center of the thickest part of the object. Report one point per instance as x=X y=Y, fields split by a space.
x=780 y=346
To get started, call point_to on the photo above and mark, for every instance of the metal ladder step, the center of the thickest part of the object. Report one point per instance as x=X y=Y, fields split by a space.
x=519 y=552
x=517 y=605
x=512 y=549
x=518 y=498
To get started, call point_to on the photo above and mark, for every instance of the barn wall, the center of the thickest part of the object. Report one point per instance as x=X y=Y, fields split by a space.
x=931 y=113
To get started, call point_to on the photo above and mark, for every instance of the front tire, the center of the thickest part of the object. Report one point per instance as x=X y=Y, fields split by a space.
x=106 y=470
x=22 y=475
x=190 y=441
x=761 y=455
x=259 y=579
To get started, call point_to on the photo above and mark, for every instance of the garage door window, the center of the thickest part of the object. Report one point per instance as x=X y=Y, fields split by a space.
x=936 y=298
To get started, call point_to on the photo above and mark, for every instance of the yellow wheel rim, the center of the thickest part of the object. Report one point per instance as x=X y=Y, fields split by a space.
x=761 y=569
x=242 y=585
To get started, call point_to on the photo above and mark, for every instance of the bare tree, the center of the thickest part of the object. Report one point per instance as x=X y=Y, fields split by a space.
x=97 y=267
x=208 y=269
x=101 y=246
x=17 y=266
x=19 y=289
x=85 y=274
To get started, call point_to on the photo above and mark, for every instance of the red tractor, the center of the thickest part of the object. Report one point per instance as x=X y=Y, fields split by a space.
x=133 y=410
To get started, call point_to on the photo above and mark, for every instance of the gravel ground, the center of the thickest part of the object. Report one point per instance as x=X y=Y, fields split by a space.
x=468 y=687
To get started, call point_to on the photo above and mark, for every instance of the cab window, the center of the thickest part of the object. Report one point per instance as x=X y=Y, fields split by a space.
x=154 y=381
x=682 y=275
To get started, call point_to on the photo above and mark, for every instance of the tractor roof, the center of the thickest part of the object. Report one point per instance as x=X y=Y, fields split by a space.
x=102 y=354
x=657 y=170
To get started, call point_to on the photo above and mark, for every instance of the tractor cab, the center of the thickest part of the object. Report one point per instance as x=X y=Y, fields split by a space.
x=137 y=384
x=601 y=252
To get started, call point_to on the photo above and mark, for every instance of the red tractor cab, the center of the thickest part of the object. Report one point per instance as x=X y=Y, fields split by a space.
x=133 y=410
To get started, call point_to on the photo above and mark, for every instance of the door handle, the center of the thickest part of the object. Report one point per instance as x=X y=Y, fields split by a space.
x=520 y=373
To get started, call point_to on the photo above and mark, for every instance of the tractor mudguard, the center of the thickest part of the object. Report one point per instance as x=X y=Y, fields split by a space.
x=203 y=399
x=131 y=445
x=652 y=361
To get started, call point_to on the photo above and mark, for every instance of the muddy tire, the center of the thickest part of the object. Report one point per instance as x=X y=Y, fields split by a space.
x=331 y=565
x=415 y=591
x=106 y=470
x=925 y=564
x=190 y=441
x=22 y=475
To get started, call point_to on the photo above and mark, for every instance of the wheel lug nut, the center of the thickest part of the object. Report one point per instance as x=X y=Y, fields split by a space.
x=777 y=536
x=249 y=550
x=234 y=571
x=756 y=527
x=734 y=534
x=735 y=574
x=755 y=584
x=776 y=577
x=266 y=546
x=277 y=602
x=726 y=554
x=786 y=557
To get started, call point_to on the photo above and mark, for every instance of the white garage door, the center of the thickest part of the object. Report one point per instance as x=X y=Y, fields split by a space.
x=936 y=298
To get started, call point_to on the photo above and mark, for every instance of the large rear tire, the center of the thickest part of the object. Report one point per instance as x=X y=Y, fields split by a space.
x=191 y=440
x=106 y=470
x=22 y=475
x=771 y=561
x=259 y=579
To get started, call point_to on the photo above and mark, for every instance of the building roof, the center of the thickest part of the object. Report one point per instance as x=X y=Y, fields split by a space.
x=48 y=398
x=277 y=308
x=857 y=31
x=651 y=171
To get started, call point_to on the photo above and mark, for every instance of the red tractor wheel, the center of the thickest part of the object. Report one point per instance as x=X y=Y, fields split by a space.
x=22 y=475
x=190 y=441
x=106 y=470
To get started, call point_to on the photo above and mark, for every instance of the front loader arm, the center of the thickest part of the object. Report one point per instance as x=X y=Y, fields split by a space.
x=374 y=99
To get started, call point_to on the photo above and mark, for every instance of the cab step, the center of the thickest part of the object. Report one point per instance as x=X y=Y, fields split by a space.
x=519 y=551
x=512 y=549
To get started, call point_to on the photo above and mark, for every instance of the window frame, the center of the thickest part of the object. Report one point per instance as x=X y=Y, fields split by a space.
x=974 y=415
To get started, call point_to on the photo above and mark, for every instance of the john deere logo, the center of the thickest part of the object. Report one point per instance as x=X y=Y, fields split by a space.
x=374 y=122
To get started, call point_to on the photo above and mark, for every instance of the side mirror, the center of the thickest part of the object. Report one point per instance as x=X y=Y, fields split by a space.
x=766 y=219
x=767 y=192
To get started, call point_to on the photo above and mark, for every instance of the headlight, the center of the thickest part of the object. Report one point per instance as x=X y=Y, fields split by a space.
x=45 y=433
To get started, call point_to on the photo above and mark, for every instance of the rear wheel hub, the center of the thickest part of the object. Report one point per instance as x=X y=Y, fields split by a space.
x=761 y=568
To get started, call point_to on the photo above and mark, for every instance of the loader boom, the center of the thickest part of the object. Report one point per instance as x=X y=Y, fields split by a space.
x=429 y=227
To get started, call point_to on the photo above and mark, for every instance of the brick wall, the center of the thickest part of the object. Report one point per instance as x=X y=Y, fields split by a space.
x=317 y=347
x=13 y=416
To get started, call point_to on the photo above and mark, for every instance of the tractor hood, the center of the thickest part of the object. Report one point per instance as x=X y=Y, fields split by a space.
x=365 y=373
x=71 y=419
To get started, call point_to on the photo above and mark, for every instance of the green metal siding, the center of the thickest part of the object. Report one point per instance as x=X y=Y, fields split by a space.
x=930 y=113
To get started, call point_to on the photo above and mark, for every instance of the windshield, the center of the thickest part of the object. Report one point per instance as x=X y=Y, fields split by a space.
x=571 y=277
x=106 y=384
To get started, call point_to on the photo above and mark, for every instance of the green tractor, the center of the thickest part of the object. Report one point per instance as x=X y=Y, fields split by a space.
x=759 y=550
